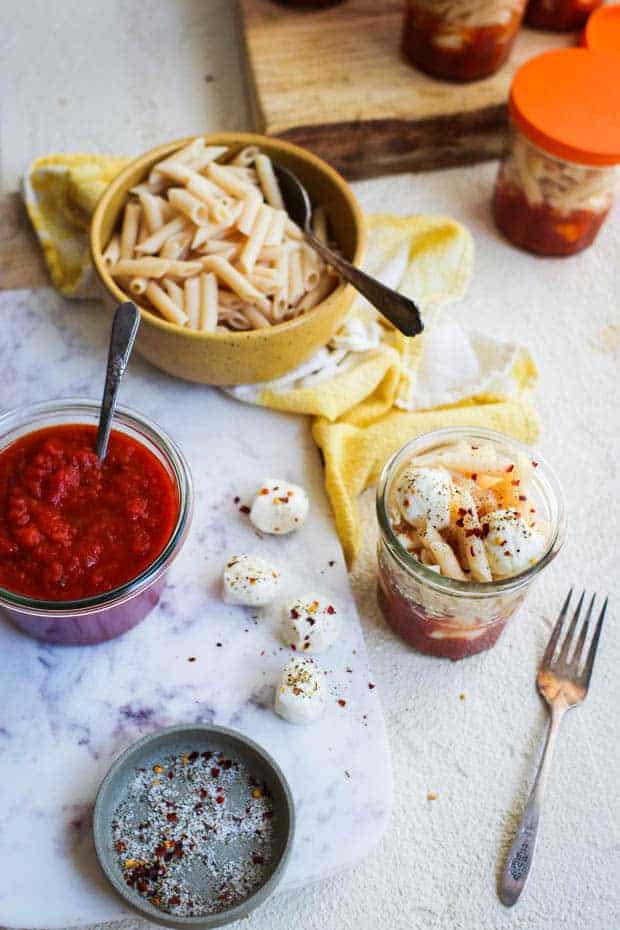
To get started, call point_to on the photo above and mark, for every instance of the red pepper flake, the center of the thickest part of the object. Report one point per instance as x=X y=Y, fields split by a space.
x=215 y=772
x=471 y=551
x=535 y=464
x=371 y=685
x=507 y=552
x=294 y=613
x=264 y=491
x=174 y=901
x=244 y=508
x=330 y=609
x=509 y=468
x=257 y=860
x=237 y=499
x=219 y=799
x=522 y=497
x=460 y=523
x=532 y=510
x=331 y=563
x=515 y=484
x=191 y=659
x=474 y=475
x=462 y=511
x=342 y=702
x=172 y=818
x=293 y=647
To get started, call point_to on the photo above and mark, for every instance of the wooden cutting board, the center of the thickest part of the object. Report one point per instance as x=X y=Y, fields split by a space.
x=335 y=81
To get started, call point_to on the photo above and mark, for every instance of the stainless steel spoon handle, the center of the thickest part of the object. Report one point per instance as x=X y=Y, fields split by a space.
x=521 y=856
x=123 y=335
x=398 y=309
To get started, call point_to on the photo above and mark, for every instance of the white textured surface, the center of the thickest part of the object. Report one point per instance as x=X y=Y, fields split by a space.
x=437 y=865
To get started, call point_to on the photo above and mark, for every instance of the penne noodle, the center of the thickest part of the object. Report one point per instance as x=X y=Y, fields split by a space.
x=249 y=211
x=210 y=153
x=181 y=269
x=295 y=283
x=256 y=318
x=265 y=284
x=325 y=286
x=443 y=553
x=229 y=301
x=175 y=171
x=228 y=181
x=246 y=156
x=137 y=286
x=191 y=151
x=194 y=209
x=175 y=293
x=129 y=229
x=319 y=224
x=268 y=181
x=146 y=267
x=279 y=306
x=293 y=231
x=191 y=303
x=176 y=247
x=236 y=319
x=228 y=250
x=156 y=240
x=256 y=239
x=166 y=307
x=235 y=281
x=207 y=318
x=112 y=251
x=275 y=233
x=152 y=210
x=217 y=201
x=310 y=269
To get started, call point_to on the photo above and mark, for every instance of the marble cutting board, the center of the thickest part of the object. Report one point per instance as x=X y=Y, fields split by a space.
x=66 y=712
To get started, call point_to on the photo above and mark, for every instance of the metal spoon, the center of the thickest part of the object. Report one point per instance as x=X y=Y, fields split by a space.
x=123 y=335
x=397 y=308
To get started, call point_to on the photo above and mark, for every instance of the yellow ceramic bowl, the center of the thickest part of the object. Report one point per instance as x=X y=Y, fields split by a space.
x=239 y=357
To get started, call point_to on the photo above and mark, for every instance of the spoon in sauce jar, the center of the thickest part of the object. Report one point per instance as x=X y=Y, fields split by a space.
x=124 y=330
x=403 y=313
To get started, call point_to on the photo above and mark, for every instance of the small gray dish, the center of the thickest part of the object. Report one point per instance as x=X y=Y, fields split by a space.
x=177 y=740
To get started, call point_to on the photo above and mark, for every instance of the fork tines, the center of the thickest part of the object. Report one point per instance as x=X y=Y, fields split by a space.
x=568 y=645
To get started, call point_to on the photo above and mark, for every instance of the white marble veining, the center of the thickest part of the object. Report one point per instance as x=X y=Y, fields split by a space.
x=65 y=712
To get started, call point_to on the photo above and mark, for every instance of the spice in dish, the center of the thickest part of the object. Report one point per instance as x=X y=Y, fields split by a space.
x=194 y=833
x=460 y=40
x=311 y=624
x=279 y=507
x=250 y=581
x=72 y=527
x=210 y=246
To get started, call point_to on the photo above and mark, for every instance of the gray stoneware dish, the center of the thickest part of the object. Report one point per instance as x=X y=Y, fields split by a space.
x=178 y=740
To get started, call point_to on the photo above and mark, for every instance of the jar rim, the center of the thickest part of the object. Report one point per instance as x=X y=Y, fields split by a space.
x=442 y=583
x=577 y=121
x=138 y=423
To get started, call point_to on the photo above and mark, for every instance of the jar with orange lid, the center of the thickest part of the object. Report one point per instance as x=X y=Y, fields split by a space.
x=556 y=181
x=602 y=31
x=460 y=40
x=559 y=15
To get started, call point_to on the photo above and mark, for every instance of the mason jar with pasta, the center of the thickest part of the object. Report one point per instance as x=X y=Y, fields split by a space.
x=468 y=519
x=559 y=15
x=555 y=184
x=460 y=40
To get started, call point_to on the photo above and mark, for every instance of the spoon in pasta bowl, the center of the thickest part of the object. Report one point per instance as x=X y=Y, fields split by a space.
x=398 y=309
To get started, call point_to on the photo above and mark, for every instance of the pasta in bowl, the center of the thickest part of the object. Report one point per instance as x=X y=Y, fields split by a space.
x=195 y=232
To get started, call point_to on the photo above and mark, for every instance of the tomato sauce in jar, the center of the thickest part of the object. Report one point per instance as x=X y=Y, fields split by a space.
x=72 y=527
x=559 y=15
x=458 y=41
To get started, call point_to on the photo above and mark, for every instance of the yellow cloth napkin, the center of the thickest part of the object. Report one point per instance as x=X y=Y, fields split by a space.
x=370 y=389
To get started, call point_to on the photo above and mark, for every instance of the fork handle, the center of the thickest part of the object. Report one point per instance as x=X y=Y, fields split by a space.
x=519 y=862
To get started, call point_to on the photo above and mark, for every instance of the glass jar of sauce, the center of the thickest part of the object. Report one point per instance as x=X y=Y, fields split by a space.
x=460 y=40
x=559 y=15
x=556 y=181
x=309 y=4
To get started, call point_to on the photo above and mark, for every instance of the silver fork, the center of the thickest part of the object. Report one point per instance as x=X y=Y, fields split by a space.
x=563 y=682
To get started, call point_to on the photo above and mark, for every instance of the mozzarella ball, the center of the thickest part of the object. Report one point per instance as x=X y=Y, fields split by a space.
x=512 y=546
x=423 y=495
x=301 y=695
x=311 y=624
x=250 y=581
x=279 y=507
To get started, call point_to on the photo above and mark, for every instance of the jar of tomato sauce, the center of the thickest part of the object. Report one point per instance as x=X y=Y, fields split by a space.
x=85 y=545
x=559 y=15
x=555 y=184
x=460 y=40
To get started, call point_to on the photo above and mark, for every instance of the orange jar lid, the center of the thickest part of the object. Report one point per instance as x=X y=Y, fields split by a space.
x=567 y=103
x=602 y=31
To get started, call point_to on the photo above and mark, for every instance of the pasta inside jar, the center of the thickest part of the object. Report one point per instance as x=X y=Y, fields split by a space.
x=460 y=40
x=559 y=15
x=547 y=205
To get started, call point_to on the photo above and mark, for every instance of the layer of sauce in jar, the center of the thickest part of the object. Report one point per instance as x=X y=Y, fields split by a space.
x=73 y=527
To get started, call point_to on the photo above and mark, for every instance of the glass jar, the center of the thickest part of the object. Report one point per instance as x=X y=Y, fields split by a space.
x=438 y=615
x=309 y=4
x=460 y=40
x=556 y=182
x=559 y=15
x=104 y=616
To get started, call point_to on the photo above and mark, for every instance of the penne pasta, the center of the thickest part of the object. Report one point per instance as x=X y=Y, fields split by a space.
x=235 y=281
x=249 y=212
x=156 y=240
x=129 y=229
x=275 y=233
x=194 y=209
x=112 y=251
x=228 y=181
x=165 y=305
x=246 y=156
x=191 y=303
x=256 y=239
x=152 y=209
x=138 y=286
x=295 y=283
x=268 y=181
x=147 y=267
x=176 y=246
x=207 y=318
x=175 y=293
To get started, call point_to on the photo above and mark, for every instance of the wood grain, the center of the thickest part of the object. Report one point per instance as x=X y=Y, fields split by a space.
x=336 y=82
x=21 y=260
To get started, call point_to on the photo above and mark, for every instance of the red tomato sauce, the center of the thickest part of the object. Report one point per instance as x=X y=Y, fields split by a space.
x=559 y=14
x=72 y=527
